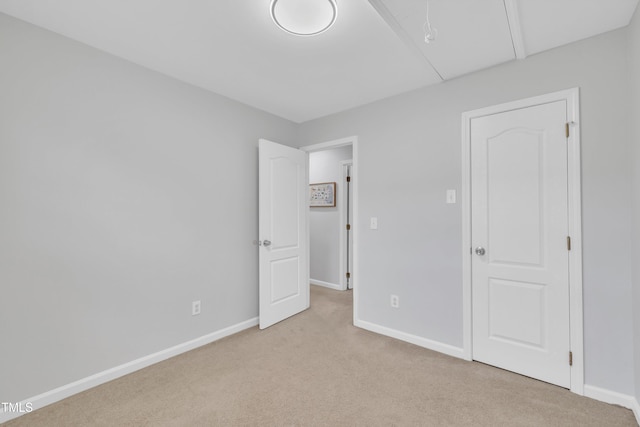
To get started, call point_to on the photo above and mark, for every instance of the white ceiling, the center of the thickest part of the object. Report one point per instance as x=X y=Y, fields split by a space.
x=376 y=48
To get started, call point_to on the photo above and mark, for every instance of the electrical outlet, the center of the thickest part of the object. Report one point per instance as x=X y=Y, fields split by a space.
x=195 y=308
x=395 y=301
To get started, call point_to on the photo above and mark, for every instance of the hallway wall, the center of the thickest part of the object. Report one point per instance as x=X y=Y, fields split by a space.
x=324 y=223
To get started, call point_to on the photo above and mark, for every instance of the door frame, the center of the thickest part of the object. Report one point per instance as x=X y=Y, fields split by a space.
x=343 y=225
x=353 y=141
x=572 y=98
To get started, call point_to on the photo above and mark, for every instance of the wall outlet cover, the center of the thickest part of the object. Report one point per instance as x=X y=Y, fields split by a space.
x=195 y=308
x=395 y=301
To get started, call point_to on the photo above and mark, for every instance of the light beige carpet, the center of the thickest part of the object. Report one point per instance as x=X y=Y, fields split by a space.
x=316 y=369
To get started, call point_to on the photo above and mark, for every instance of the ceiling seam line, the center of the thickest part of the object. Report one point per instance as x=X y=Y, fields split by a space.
x=515 y=28
x=395 y=26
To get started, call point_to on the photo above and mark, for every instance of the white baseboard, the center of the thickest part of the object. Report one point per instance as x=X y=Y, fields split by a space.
x=593 y=392
x=65 y=391
x=326 y=284
x=613 y=397
x=68 y=390
x=413 y=339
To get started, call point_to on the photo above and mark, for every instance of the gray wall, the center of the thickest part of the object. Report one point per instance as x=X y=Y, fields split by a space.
x=634 y=80
x=410 y=154
x=124 y=196
x=324 y=223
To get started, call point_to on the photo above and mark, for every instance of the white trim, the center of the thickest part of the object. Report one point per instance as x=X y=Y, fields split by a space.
x=330 y=145
x=343 y=225
x=355 y=185
x=326 y=284
x=465 y=204
x=513 y=17
x=636 y=410
x=413 y=339
x=353 y=141
x=612 y=397
x=574 y=184
x=83 y=384
x=571 y=96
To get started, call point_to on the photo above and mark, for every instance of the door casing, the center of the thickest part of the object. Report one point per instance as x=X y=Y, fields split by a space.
x=571 y=96
x=344 y=239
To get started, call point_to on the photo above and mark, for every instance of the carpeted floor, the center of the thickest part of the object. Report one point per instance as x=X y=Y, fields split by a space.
x=316 y=369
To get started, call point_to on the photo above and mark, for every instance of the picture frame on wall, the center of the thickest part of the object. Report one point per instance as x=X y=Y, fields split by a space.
x=322 y=195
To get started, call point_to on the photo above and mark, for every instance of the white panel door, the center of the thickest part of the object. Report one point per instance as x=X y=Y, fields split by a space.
x=283 y=206
x=520 y=261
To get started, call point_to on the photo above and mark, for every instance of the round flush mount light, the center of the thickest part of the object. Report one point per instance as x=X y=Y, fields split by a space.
x=304 y=17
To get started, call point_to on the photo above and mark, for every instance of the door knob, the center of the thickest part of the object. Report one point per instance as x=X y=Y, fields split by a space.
x=266 y=243
x=480 y=250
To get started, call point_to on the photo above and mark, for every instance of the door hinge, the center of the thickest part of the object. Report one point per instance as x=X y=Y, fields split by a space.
x=348 y=226
x=348 y=179
x=566 y=129
x=571 y=358
x=568 y=243
x=348 y=275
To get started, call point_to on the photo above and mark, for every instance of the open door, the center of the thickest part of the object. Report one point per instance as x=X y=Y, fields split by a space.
x=283 y=244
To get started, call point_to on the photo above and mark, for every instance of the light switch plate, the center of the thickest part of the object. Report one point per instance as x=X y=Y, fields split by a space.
x=451 y=196
x=374 y=223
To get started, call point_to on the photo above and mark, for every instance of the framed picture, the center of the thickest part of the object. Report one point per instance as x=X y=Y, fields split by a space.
x=322 y=195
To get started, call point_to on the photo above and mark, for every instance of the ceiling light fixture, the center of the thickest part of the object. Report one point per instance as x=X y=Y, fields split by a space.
x=304 y=17
x=430 y=33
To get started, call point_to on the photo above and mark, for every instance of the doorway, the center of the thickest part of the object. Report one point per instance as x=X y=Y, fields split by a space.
x=333 y=230
x=522 y=282
x=328 y=243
